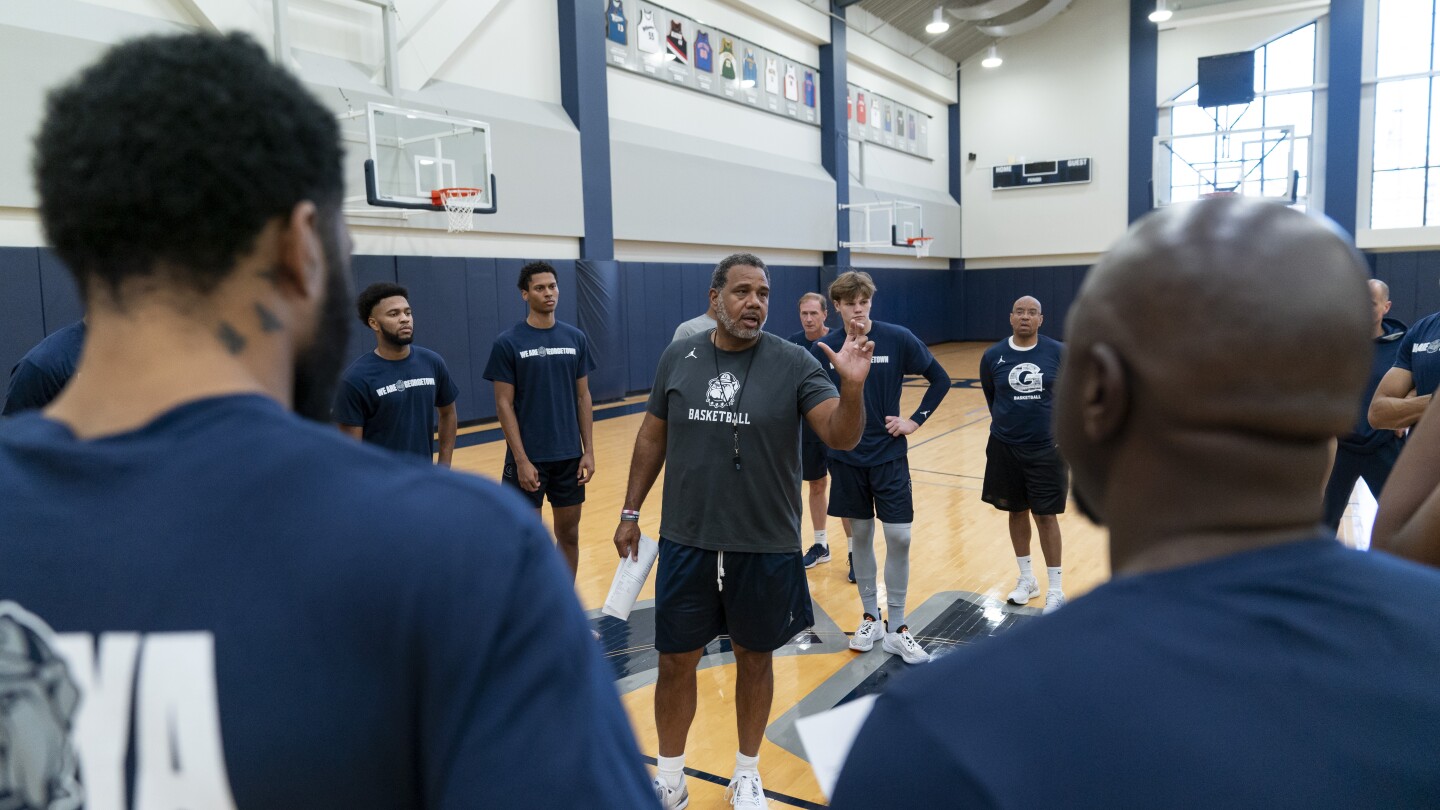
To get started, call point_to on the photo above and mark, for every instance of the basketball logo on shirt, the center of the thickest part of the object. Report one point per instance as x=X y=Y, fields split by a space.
x=1027 y=378
x=38 y=700
x=722 y=391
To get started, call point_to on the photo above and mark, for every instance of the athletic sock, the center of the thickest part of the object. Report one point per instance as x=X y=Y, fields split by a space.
x=820 y=538
x=671 y=771
x=1053 y=574
x=1024 y=563
x=744 y=763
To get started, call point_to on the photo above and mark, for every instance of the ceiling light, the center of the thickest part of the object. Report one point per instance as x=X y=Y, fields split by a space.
x=992 y=58
x=1162 y=12
x=937 y=24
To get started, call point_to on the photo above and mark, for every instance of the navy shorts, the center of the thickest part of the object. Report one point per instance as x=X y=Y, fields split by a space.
x=558 y=479
x=764 y=603
x=814 y=461
x=882 y=491
x=1020 y=477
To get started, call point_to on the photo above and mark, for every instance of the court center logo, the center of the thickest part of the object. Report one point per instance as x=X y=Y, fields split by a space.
x=1026 y=378
x=38 y=699
x=722 y=391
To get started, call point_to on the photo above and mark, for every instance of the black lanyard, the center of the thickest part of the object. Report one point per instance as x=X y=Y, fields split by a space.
x=735 y=408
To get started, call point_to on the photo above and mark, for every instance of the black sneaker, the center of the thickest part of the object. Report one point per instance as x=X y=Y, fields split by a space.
x=816 y=554
x=850 y=563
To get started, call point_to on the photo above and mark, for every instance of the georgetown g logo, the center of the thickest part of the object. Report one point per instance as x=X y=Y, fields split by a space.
x=722 y=390
x=38 y=699
x=1026 y=378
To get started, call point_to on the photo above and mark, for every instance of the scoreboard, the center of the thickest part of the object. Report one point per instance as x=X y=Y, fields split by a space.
x=1041 y=173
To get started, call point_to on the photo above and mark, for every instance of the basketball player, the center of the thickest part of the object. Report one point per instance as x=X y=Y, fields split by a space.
x=207 y=601
x=814 y=469
x=873 y=479
x=43 y=371
x=703 y=322
x=1405 y=390
x=390 y=396
x=1241 y=655
x=1368 y=452
x=540 y=368
x=1024 y=473
x=723 y=420
x=1407 y=523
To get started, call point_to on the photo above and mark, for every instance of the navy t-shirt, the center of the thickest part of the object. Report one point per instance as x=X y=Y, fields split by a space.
x=897 y=353
x=254 y=611
x=1303 y=675
x=543 y=365
x=1420 y=354
x=44 y=370
x=1363 y=438
x=1019 y=387
x=807 y=433
x=395 y=400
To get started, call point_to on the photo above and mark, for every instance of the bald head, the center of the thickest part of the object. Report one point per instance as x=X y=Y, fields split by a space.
x=1379 y=306
x=1227 y=326
x=1025 y=319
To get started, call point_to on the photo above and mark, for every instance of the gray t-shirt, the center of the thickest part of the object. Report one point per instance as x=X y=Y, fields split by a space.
x=694 y=326
x=701 y=393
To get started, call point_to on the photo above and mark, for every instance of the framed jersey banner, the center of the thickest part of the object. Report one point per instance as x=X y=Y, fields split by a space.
x=873 y=118
x=653 y=41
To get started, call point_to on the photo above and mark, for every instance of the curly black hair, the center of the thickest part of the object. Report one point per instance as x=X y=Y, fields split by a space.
x=534 y=269
x=171 y=154
x=374 y=294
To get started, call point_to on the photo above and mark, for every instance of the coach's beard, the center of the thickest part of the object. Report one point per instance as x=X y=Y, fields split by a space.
x=734 y=328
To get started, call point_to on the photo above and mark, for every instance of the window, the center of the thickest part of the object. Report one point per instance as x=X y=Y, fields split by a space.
x=1405 y=157
x=1253 y=160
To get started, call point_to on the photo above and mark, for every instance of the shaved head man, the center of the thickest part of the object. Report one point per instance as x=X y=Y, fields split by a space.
x=1240 y=652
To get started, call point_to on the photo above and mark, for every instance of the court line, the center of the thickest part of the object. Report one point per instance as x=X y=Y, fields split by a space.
x=956 y=475
x=948 y=432
x=725 y=783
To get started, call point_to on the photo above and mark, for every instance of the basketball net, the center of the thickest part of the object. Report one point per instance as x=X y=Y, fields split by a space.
x=921 y=245
x=459 y=208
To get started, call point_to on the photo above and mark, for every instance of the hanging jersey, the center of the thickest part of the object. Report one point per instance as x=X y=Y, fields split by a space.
x=649 y=39
x=792 y=87
x=752 y=76
x=849 y=106
x=887 y=118
x=910 y=124
x=810 y=90
x=900 y=124
x=772 y=77
x=675 y=45
x=702 y=51
x=615 y=22
x=727 y=59
x=860 y=108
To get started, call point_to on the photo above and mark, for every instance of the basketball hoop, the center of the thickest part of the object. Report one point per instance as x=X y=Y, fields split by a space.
x=459 y=207
x=921 y=245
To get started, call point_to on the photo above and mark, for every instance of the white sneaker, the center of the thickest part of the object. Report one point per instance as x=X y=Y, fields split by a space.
x=1026 y=588
x=1054 y=600
x=904 y=645
x=670 y=798
x=864 y=638
x=746 y=791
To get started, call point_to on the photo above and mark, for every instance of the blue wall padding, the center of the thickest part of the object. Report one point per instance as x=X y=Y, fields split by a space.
x=57 y=289
x=988 y=294
x=601 y=302
x=1414 y=279
x=483 y=288
x=24 y=323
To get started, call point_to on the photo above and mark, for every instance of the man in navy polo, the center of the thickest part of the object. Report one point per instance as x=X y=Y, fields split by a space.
x=1024 y=473
x=540 y=368
x=390 y=396
x=814 y=456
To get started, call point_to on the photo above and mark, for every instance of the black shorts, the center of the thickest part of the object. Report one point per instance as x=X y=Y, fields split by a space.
x=558 y=479
x=814 y=461
x=1020 y=477
x=882 y=491
x=764 y=603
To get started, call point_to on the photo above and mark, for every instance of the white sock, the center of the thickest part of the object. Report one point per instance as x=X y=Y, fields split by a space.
x=1053 y=574
x=1024 y=563
x=820 y=538
x=744 y=763
x=671 y=770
